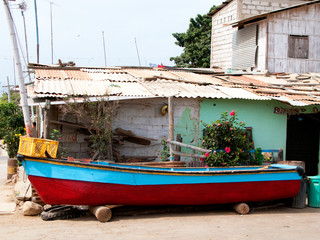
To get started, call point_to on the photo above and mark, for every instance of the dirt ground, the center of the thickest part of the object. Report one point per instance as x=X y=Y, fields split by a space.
x=219 y=222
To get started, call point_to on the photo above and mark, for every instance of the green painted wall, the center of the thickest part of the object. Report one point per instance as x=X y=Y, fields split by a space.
x=187 y=126
x=269 y=129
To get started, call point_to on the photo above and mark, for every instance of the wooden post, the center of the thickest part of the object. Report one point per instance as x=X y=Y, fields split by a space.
x=178 y=148
x=280 y=155
x=102 y=213
x=171 y=126
x=46 y=121
x=241 y=208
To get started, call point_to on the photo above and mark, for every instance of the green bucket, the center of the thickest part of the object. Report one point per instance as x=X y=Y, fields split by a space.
x=314 y=191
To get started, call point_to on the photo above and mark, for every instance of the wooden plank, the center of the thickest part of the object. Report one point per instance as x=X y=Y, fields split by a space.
x=178 y=148
x=69 y=124
x=131 y=137
x=189 y=146
x=188 y=154
x=167 y=164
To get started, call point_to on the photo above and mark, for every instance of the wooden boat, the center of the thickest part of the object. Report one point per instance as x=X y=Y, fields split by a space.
x=103 y=183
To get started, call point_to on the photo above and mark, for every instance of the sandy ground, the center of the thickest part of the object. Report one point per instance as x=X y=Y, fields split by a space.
x=278 y=223
x=220 y=223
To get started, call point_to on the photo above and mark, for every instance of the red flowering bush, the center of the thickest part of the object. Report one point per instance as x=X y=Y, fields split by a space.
x=227 y=139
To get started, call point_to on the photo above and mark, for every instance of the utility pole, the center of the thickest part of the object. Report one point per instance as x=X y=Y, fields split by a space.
x=135 y=40
x=104 y=50
x=9 y=94
x=37 y=30
x=51 y=33
x=23 y=7
x=23 y=94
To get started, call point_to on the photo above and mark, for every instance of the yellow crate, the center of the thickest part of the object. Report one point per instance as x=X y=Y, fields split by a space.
x=37 y=147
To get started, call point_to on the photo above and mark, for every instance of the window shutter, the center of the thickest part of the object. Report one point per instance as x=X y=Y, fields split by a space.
x=298 y=47
x=244 y=46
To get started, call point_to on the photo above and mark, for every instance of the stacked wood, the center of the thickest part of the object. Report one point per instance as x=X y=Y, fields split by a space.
x=36 y=198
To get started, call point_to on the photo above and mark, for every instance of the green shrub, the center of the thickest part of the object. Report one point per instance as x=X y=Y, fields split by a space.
x=227 y=139
x=11 y=127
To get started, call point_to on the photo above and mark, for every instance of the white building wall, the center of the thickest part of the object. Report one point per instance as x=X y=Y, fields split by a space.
x=143 y=118
x=222 y=32
x=262 y=46
x=249 y=8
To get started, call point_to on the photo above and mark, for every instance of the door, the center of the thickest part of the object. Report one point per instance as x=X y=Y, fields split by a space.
x=303 y=140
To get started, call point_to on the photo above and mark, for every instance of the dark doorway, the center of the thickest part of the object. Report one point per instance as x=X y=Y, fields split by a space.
x=303 y=140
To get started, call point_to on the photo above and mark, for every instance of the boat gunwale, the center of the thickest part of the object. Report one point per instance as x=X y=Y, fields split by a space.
x=164 y=170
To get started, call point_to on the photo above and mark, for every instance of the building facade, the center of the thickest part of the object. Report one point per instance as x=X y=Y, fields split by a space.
x=269 y=36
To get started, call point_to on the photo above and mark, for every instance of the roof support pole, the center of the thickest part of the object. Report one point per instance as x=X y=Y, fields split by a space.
x=171 y=126
x=46 y=120
x=18 y=67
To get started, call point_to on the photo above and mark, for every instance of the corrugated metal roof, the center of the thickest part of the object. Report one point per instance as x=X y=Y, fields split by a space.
x=241 y=93
x=179 y=89
x=66 y=74
x=294 y=89
x=150 y=73
x=72 y=87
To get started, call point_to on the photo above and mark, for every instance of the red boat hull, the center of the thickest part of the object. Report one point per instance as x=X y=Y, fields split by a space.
x=59 y=191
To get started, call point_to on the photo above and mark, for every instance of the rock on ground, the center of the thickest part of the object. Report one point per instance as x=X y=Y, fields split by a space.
x=31 y=209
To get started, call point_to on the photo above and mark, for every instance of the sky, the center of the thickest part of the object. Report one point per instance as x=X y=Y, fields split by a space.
x=78 y=28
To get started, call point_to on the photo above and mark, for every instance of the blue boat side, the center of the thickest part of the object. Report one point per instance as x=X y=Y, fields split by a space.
x=141 y=175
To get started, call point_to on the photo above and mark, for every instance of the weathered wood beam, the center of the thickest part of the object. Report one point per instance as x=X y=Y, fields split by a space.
x=189 y=146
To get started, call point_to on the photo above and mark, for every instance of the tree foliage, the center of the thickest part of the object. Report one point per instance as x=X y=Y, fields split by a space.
x=11 y=127
x=15 y=97
x=195 y=42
